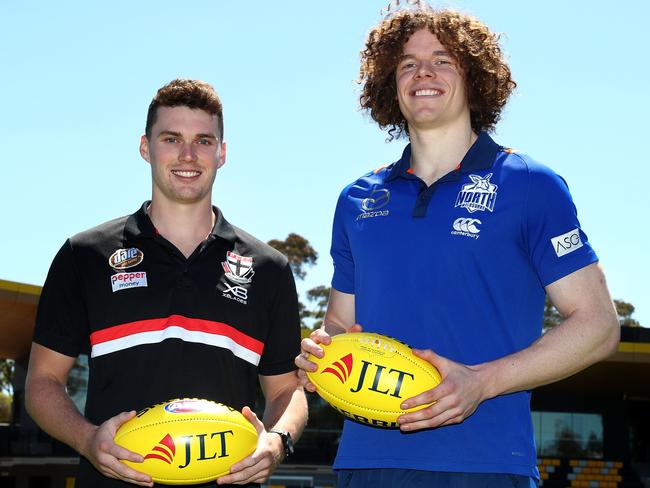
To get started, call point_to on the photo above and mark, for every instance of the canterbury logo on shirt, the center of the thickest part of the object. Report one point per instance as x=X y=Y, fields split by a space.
x=153 y=331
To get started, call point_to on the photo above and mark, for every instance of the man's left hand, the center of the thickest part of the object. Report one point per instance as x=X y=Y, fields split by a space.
x=453 y=400
x=257 y=467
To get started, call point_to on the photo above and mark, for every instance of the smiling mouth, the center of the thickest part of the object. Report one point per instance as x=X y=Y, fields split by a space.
x=430 y=92
x=186 y=173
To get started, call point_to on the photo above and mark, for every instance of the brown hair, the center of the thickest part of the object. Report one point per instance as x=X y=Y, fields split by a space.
x=188 y=93
x=472 y=45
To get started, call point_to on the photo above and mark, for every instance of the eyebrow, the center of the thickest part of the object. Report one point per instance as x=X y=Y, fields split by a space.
x=178 y=134
x=434 y=53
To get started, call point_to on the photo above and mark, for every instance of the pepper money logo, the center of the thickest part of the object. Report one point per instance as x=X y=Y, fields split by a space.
x=479 y=195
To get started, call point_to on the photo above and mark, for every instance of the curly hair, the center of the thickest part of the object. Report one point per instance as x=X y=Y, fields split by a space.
x=188 y=93
x=472 y=45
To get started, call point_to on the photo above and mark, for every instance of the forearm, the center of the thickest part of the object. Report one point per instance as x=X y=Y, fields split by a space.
x=582 y=339
x=50 y=406
x=287 y=411
x=340 y=314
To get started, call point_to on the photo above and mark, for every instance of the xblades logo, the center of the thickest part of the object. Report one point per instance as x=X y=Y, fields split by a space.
x=166 y=448
x=343 y=368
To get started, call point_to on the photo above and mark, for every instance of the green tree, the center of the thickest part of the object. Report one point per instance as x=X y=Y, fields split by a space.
x=298 y=251
x=567 y=444
x=6 y=390
x=318 y=295
x=6 y=374
x=624 y=311
x=301 y=254
x=552 y=317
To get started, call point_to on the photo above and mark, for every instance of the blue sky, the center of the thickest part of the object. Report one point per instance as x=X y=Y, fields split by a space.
x=77 y=78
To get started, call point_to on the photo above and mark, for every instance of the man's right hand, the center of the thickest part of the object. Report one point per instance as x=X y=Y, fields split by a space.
x=103 y=453
x=310 y=346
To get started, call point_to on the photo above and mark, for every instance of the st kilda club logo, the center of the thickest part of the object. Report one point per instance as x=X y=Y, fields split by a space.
x=371 y=376
x=198 y=447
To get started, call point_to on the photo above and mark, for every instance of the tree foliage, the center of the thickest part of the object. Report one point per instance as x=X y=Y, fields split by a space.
x=298 y=251
x=552 y=317
x=6 y=374
x=624 y=310
x=319 y=296
x=301 y=254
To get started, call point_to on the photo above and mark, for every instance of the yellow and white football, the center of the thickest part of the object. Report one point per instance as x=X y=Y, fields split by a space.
x=366 y=377
x=187 y=440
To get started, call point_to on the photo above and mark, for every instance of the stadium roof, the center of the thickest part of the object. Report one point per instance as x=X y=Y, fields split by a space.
x=18 y=303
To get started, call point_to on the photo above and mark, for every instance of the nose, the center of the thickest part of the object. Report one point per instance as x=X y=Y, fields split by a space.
x=425 y=69
x=187 y=153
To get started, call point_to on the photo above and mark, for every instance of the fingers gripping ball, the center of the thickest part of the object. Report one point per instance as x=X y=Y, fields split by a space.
x=188 y=440
x=366 y=376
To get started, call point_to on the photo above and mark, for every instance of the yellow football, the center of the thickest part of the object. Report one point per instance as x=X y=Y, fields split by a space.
x=187 y=440
x=367 y=376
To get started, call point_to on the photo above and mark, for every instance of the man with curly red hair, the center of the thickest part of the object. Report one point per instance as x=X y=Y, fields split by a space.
x=452 y=249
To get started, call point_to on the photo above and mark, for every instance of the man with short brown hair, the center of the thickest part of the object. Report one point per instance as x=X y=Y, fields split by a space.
x=169 y=302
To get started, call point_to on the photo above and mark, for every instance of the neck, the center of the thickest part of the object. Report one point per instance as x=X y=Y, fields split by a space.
x=184 y=225
x=436 y=152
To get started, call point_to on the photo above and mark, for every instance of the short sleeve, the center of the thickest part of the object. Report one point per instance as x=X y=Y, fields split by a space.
x=343 y=279
x=282 y=344
x=557 y=243
x=61 y=319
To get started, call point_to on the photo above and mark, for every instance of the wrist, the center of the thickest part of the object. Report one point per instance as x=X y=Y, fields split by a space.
x=84 y=442
x=487 y=375
x=287 y=441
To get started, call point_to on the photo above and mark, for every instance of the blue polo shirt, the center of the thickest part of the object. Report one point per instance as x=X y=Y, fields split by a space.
x=458 y=267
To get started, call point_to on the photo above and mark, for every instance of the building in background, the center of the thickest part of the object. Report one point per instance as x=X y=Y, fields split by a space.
x=592 y=429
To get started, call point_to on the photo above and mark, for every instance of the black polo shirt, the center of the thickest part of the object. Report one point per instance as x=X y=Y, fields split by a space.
x=157 y=325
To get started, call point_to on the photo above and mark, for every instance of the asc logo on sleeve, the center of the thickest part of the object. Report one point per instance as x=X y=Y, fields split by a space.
x=566 y=243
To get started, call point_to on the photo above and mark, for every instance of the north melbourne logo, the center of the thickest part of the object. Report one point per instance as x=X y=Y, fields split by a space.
x=466 y=227
x=479 y=195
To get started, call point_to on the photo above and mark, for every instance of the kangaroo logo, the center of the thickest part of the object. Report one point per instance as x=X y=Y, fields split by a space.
x=166 y=448
x=479 y=195
x=343 y=368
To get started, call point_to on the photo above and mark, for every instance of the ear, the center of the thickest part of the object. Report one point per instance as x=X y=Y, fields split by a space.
x=222 y=156
x=144 y=149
